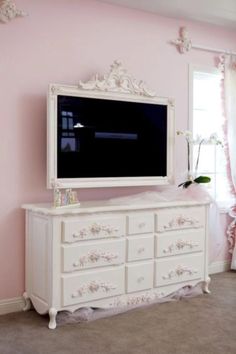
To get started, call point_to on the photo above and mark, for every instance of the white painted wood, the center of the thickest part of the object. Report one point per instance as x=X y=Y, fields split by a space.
x=55 y=263
x=205 y=285
x=27 y=253
x=117 y=84
x=17 y=304
x=206 y=246
x=140 y=223
x=111 y=270
x=93 y=227
x=52 y=315
x=179 y=268
x=107 y=206
x=140 y=248
x=117 y=80
x=39 y=261
x=176 y=219
x=184 y=241
x=88 y=286
x=139 y=276
x=93 y=255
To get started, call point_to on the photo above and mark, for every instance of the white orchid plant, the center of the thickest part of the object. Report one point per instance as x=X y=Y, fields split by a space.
x=211 y=140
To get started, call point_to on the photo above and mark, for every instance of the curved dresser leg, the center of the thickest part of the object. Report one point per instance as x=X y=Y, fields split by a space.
x=205 y=286
x=52 y=314
x=27 y=306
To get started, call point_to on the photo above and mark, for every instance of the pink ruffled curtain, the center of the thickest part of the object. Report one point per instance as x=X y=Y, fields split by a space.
x=230 y=111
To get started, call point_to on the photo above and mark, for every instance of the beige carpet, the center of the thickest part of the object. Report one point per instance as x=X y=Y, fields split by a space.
x=205 y=324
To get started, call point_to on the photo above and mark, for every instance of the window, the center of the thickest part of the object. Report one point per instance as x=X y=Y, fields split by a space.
x=208 y=119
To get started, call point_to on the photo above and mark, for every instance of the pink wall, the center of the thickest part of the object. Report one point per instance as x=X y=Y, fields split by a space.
x=63 y=42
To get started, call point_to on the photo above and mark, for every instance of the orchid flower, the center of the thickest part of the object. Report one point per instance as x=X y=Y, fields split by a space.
x=213 y=140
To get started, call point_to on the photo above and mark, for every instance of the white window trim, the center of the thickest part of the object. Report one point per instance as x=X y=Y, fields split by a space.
x=192 y=68
x=208 y=70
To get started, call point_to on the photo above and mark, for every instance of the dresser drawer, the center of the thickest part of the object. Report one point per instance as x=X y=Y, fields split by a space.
x=90 y=286
x=140 y=223
x=139 y=276
x=184 y=241
x=179 y=269
x=139 y=248
x=92 y=227
x=180 y=218
x=93 y=254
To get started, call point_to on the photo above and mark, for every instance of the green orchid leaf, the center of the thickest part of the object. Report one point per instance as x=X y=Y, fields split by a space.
x=185 y=184
x=202 y=179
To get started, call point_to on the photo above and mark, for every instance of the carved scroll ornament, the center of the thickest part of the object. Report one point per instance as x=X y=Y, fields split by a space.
x=117 y=80
x=9 y=11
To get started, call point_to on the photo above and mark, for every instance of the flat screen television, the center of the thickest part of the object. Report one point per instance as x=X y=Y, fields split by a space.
x=108 y=139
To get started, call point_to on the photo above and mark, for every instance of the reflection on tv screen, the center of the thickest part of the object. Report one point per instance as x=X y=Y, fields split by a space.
x=109 y=138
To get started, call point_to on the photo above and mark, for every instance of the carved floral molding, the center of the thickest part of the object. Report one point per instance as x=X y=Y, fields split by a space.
x=180 y=245
x=93 y=287
x=95 y=229
x=181 y=222
x=135 y=300
x=179 y=271
x=96 y=256
x=117 y=80
x=9 y=11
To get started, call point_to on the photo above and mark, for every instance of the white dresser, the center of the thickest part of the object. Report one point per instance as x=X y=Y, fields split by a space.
x=106 y=255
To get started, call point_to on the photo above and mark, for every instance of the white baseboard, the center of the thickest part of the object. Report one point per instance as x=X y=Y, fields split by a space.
x=219 y=267
x=11 y=305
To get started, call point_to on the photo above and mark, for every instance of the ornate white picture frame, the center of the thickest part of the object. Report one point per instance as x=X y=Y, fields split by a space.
x=118 y=85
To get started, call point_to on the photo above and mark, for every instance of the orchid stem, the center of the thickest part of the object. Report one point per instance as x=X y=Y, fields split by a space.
x=188 y=150
x=198 y=156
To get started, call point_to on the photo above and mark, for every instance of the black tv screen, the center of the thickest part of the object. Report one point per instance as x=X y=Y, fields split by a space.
x=110 y=138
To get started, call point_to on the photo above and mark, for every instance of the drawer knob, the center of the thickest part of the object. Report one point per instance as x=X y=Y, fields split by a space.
x=141 y=225
x=76 y=264
x=141 y=249
x=140 y=279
